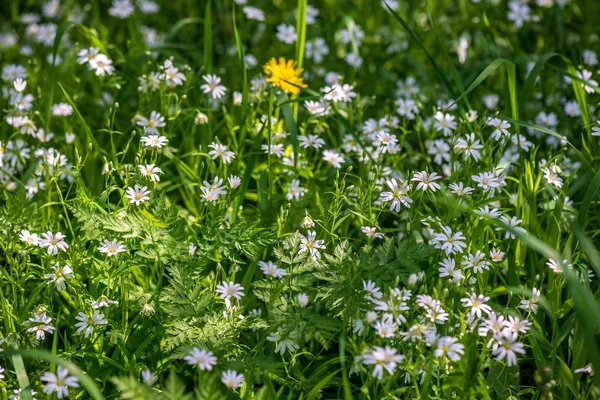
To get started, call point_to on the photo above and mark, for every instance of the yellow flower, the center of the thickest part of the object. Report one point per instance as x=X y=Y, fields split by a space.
x=284 y=75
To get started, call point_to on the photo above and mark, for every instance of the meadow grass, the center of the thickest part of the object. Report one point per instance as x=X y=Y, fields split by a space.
x=265 y=199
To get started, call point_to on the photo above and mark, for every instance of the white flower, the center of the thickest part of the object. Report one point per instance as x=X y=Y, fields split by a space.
x=59 y=276
x=154 y=141
x=62 y=109
x=295 y=191
x=20 y=84
x=87 y=324
x=397 y=196
x=531 y=304
x=59 y=383
x=111 y=248
x=477 y=304
x=518 y=12
x=371 y=231
x=232 y=379
x=282 y=345
x=275 y=149
x=17 y=395
x=588 y=369
x=102 y=302
x=448 y=346
x=496 y=255
x=318 y=108
x=54 y=242
x=311 y=244
x=150 y=171
x=469 y=146
x=101 y=64
x=386 y=328
x=121 y=9
x=339 y=93
x=148 y=377
x=220 y=150
x=41 y=326
x=489 y=182
x=334 y=158
x=460 y=190
x=552 y=178
x=383 y=358
x=556 y=266
x=477 y=262
x=269 y=268
x=444 y=123
x=254 y=13
x=517 y=325
x=227 y=290
x=87 y=55
x=448 y=241
x=427 y=181
x=302 y=300
x=173 y=77
x=506 y=346
x=150 y=125
x=32 y=239
x=286 y=33
x=511 y=223
x=213 y=86
x=234 y=181
x=500 y=128
x=137 y=195
x=203 y=359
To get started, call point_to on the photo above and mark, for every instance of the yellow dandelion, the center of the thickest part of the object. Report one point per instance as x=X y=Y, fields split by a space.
x=284 y=75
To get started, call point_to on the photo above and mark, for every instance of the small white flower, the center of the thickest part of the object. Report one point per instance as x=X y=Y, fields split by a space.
x=220 y=150
x=203 y=359
x=213 y=86
x=137 y=195
x=87 y=324
x=507 y=347
x=150 y=171
x=383 y=358
x=20 y=84
x=232 y=379
x=62 y=109
x=271 y=269
x=302 y=300
x=151 y=124
x=512 y=223
x=311 y=244
x=334 y=158
x=371 y=232
x=59 y=276
x=227 y=290
x=59 y=383
x=148 y=377
x=102 y=65
x=427 y=181
x=286 y=33
x=54 y=242
x=154 y=141
x=477 y=303
x=448 y=346
x=32 y=239
x=112 y=248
